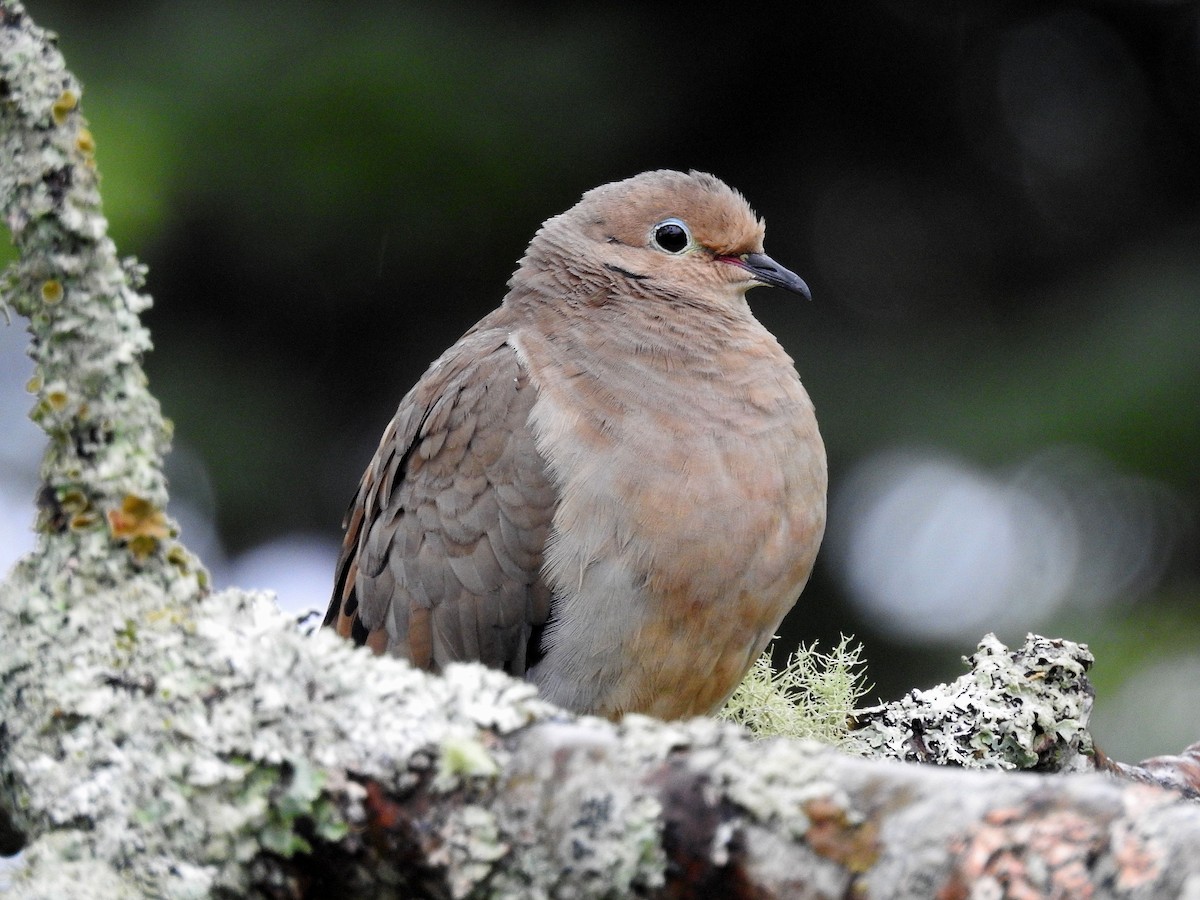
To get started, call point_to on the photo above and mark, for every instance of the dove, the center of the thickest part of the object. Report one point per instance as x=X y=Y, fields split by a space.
x=613 y=485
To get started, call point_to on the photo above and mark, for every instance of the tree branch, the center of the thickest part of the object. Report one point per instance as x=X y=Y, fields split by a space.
x=157 y=740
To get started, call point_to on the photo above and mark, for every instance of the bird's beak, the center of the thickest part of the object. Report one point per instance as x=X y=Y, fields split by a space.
x=766 y=270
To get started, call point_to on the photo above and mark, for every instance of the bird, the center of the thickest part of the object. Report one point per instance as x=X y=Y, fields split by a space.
x=613 y=485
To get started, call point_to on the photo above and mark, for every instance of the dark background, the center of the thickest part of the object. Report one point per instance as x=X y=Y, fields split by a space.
x=996 y=205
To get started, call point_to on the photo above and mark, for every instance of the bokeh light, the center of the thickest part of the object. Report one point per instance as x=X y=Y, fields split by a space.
x=930 y=547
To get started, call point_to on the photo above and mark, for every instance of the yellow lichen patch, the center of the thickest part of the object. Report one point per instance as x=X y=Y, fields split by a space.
x=63 y=106
x=140 y=524
x=85 y=143
x=52 y=291
x=142 y=546
x=178 y=556
x=57 y=400
x=84 y=521
x=168 y=615
x=73 y=501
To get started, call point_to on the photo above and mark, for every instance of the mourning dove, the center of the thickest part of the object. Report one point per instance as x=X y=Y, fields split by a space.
x=613 y=485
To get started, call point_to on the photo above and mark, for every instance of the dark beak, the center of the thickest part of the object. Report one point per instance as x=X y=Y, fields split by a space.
x=766 y=270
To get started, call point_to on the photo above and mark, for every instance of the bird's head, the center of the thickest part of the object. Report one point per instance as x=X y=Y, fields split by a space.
x=672 y=234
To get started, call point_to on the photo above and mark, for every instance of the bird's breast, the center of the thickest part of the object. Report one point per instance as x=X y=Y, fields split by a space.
x=692 y=502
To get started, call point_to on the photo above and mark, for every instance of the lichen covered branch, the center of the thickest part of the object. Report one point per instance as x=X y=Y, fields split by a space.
x=102 y=473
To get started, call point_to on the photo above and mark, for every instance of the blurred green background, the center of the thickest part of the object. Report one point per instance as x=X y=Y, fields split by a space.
x=997 y=207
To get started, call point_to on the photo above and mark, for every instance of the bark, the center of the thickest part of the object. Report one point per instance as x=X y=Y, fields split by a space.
x=160 y=740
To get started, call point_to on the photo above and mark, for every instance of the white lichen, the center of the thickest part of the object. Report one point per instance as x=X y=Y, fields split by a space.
x=1021 y=709
x=576 y=819
x=206 y=734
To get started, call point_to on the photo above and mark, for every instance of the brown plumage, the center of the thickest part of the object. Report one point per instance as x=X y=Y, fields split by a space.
x=613 y=484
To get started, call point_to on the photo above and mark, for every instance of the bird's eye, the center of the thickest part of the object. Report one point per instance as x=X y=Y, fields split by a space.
x=672 y=236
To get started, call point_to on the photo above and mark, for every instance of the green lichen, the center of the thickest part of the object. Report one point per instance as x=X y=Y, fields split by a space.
x=600 y=832
x=290 y=794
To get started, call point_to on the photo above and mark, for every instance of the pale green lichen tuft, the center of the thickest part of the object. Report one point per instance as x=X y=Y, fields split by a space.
x=812 y=696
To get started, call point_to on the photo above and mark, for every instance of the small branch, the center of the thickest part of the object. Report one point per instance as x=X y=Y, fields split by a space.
x=102 y=473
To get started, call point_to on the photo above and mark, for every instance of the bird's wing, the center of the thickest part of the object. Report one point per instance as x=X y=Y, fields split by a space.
x=441 y=559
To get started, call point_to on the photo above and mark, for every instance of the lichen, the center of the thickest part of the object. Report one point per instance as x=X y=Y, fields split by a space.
x=1023 y=709
x=180 y=736
x=775 y=788
x=811 y=696
x=472 y=844
x=578 y=825
x=463 y=757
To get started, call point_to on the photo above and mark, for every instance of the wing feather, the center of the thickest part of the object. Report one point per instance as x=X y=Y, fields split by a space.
x=442 y=554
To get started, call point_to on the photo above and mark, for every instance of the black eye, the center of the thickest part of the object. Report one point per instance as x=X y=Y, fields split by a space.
x=672 y=236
